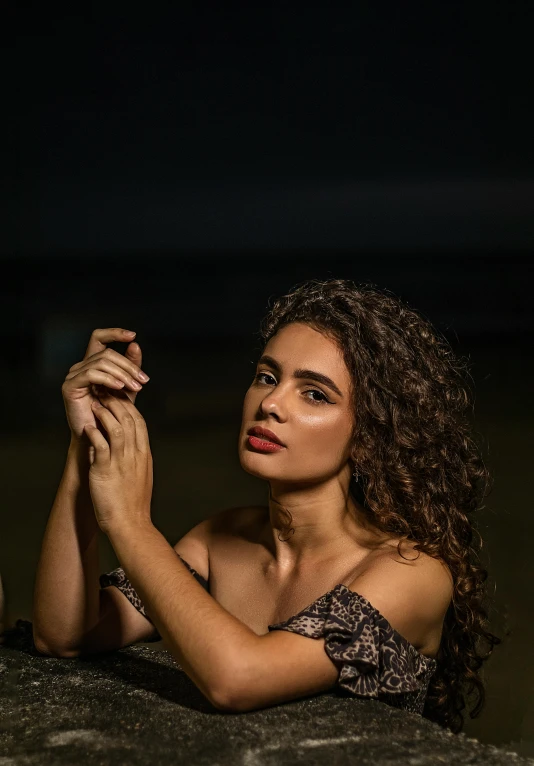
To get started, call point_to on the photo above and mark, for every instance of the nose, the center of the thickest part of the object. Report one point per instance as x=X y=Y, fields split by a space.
x=273 y=404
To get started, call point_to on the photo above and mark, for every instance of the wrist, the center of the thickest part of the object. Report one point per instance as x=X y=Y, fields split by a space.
x=117 y=530
x=78 y=454
x=79 y=443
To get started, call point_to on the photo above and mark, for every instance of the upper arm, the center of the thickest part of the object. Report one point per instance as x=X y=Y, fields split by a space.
x=282 y=665
x=120 y=624
x=194 y=547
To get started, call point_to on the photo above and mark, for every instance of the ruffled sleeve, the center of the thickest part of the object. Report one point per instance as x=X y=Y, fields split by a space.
x=375 y=661
x=118 y=578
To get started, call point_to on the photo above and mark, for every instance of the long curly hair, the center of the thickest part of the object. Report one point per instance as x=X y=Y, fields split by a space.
x=413 y=449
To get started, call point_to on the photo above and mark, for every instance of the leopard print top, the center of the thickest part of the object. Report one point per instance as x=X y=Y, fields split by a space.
x=375 y=662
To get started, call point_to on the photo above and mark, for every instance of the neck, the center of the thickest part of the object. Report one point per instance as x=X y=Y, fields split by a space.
x=323 y=518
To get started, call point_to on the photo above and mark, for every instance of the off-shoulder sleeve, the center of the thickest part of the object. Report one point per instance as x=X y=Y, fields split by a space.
x=118 y=578
x=375 y=661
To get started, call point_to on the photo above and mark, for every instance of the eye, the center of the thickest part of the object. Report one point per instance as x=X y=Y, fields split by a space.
x=322 y=398
x=262 y=374
x=320 y=393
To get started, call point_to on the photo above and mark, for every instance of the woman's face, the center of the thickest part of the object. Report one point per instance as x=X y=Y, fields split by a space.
x=310 y=418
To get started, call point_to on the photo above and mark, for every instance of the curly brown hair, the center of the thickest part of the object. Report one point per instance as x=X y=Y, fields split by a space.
x=413 y=448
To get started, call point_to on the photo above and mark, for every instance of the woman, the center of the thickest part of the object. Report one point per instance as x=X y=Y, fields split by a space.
x=356 y=418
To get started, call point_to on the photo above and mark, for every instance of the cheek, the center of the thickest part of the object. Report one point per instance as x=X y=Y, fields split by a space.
x=332 y=432
x=325 y=432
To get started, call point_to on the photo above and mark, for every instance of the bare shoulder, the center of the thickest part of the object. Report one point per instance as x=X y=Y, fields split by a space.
x=200 y=543
x=408 y=555
x=405 y=566
x=413 y=592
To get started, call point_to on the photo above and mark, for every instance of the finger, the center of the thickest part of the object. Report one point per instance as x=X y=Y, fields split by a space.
x=134 y=353
x=100 y=338
x=141 y=432
x=102 y=391
x=99 y=445
x=110 y=356
x=118 y=407
x=91 y=376
x=114 y=429
x=115 y=372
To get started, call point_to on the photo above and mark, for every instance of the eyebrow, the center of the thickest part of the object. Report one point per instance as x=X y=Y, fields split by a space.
x=310 y=374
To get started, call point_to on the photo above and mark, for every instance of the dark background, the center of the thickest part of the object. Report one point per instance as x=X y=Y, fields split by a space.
x=171 y=170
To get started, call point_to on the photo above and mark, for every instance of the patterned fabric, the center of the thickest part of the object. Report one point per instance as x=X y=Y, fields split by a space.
x=118 y=578
x=374 y=660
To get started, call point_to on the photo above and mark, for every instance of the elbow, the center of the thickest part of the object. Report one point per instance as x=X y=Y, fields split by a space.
x=227 y=703
x=221 y=699
x=237 y=690
x=235 y=704
x=233 y=700
x=228 y=698
x=50 y=651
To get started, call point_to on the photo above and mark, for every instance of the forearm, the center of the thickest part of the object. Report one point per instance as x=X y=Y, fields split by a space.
x=67 y=590
x=205 y=639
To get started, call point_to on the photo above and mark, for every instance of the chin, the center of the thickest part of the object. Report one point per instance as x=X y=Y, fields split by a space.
x=256 y=464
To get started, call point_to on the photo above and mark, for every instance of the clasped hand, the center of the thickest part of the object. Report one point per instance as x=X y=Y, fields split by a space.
x=121 y=473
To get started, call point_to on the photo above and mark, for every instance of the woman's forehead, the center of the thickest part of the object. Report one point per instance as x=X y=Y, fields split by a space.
x=300 y=346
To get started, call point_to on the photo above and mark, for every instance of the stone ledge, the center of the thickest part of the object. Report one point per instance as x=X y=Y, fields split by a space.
x=136 y=706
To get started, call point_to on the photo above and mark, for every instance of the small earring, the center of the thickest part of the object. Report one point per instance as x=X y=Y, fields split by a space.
x=356 y=475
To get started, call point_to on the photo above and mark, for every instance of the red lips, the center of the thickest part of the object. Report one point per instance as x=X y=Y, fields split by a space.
x=266 y=434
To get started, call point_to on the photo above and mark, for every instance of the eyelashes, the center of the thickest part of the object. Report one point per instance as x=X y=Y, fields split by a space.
x=322 y=400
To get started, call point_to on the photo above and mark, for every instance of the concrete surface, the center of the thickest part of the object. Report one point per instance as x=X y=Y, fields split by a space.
x=136 y=706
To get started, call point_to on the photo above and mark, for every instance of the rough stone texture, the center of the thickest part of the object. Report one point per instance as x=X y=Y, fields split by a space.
x=136 y=706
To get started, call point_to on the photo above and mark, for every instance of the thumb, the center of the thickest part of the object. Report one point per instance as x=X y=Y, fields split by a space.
x=134 y=354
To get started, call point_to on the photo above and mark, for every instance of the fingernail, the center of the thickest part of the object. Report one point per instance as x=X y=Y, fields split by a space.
x=143 y=377
x=96 y=404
